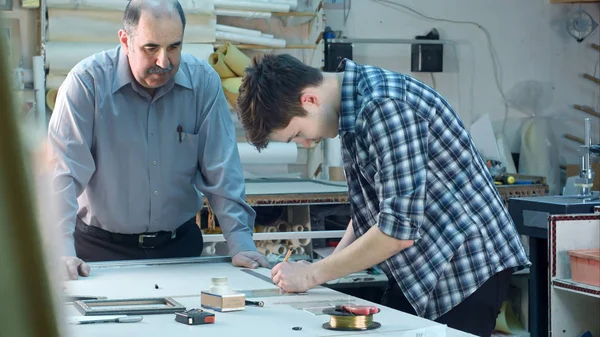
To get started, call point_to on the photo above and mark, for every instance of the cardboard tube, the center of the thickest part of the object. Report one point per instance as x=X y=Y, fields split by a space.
x=277 y=249
x=235 y=60
x=231 y=88
x=217 y=61
x=298 y=250
x=284 y=226
x=298 y=228
x=264 y=250
x=209 y=250
x=51 y=98
x=336 y=173
x=299 y=242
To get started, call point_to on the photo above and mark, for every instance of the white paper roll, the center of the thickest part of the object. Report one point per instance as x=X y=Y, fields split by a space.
x=293 y=3
x=333 y=151
x=275 y=153
x=258 y=40
x=63 y=56
x=189 y=6
x=103 y=26
x=242 y=14
x=238 y=30
x=54 y=81
x=252 y=5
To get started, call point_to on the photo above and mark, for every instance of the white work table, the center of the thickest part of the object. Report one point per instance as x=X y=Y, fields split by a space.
x=184 y=279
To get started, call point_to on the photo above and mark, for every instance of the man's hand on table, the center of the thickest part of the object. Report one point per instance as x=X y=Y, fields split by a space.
x=75 y=267
x=250 y=259
x=294 y=277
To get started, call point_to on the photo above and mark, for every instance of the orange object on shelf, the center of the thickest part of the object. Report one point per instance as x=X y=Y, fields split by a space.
x=585 y=266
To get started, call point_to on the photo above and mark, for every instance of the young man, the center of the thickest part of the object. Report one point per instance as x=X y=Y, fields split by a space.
x=424 y=206
x=136 y=133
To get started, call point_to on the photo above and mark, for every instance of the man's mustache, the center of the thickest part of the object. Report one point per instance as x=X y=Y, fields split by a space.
x=160 y=70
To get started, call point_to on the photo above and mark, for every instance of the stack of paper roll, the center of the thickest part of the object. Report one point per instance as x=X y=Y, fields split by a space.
x=281 y=247
x=257 y=9
x=229 y=62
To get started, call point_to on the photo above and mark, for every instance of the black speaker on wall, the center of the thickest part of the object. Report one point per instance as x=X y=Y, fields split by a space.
x=335 y=52
x=427 y=57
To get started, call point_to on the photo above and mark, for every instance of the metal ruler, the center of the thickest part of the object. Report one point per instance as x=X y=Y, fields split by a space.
x=258 y=275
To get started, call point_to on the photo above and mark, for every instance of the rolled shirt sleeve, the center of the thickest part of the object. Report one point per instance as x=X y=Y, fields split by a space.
x=398 y=136
x=221 y=177
x=70 y=137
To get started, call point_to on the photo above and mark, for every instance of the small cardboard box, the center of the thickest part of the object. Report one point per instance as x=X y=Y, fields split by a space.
x=573 y=170
x=231 y=301
x=585 y=266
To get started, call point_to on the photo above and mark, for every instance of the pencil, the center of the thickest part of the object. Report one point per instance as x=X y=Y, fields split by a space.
x=287 y=256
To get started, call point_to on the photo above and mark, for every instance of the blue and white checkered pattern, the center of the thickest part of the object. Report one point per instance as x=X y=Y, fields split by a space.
x=413 y=170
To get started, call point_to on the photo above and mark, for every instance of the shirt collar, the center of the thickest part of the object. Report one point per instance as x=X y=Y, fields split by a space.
x=349 y=95
x=124 y=75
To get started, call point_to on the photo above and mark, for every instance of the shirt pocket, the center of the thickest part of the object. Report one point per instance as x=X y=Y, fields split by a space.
x=186 y=153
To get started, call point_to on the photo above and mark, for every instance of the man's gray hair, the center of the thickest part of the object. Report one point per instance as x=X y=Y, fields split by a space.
x=134 y=9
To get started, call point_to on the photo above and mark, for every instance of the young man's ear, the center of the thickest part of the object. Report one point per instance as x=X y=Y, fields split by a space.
x=309 y=98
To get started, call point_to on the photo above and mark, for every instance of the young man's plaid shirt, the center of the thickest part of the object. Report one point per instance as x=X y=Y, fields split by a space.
x=414 y=171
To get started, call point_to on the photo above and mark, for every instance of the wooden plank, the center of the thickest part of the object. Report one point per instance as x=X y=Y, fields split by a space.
x=595 y=46
x=587 y=110
x=592 y=78
x=574 y=138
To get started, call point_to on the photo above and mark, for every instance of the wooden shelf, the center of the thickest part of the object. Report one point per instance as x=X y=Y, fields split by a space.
x=587 y=110
x=576 y=287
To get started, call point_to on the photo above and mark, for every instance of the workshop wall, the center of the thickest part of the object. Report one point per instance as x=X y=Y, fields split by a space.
x=540 y=66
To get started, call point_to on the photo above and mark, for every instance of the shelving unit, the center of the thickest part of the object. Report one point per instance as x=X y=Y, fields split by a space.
x=574 y=307
x=296 y=202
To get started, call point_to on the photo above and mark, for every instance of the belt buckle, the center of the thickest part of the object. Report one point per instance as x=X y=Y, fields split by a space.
x=141 y=238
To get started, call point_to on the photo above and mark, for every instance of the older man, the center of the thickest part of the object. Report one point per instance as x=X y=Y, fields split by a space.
x=138 y=134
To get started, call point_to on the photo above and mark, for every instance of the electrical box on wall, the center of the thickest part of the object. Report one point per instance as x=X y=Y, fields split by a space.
x=335 y=52
x=427 y=57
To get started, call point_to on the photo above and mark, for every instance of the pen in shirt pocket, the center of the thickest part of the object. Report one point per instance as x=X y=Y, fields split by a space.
x=180 y=131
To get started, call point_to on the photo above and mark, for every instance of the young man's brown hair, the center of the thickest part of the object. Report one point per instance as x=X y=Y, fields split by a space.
x=269 y=96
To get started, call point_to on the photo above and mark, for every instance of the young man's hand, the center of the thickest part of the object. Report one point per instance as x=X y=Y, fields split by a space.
x=250 y=259
x=294 y=277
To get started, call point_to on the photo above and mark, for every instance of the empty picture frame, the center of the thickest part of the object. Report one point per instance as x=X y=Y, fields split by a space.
x=132 y=306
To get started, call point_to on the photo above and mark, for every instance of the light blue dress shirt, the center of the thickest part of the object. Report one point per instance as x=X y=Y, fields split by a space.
x=119 y=164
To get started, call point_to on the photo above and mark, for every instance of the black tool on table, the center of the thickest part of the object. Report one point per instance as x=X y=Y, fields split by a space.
x=195 y=317
x=255 y=303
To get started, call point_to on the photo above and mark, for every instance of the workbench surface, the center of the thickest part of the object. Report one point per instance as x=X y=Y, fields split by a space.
x=184 y=279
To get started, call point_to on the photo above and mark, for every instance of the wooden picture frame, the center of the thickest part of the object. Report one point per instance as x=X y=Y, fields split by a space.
x=6 y=5
x=132 y=306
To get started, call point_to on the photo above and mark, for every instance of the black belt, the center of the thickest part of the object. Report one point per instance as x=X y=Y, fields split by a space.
x=143 y=240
